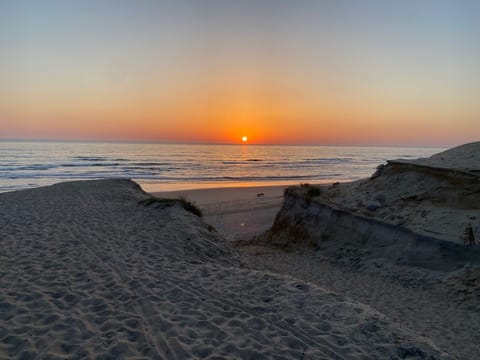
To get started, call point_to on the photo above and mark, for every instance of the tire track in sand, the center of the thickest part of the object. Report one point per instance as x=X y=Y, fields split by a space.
x=143 y=308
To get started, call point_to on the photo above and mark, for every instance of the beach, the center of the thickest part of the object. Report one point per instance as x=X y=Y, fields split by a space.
x=97 y=269
x=360 y=270
x=436 y=313
x=198 y=179
x=238 y=213
x=394 y=241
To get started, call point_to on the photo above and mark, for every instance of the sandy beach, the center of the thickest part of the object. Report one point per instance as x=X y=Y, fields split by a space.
x=92 y=270
x=431 y=290
x=278 y=180
x=238 y=213
x=438 y=314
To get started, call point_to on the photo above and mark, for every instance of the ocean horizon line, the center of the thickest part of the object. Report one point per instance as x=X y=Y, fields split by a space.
x=175 y=142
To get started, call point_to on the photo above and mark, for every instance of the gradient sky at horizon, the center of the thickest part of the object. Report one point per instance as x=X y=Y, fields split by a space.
x=289 y=72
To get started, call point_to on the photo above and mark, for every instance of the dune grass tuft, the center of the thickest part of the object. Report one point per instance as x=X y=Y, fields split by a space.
x=310 y=191
x=289 y=190
x=164 y=203
x=305 y=189
x=190 y=206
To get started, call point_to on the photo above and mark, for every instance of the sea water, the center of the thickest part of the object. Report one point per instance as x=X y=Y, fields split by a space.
x=157 y=167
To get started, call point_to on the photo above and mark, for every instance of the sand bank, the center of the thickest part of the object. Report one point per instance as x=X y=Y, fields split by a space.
x=88 y=271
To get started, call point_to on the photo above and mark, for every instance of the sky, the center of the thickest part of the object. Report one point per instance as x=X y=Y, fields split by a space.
x=357 y=72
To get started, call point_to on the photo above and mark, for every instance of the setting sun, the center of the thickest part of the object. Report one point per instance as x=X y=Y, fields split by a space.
x=369 y=82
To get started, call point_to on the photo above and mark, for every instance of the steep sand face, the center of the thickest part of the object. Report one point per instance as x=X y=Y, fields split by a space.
x=408 y=216
x=88 y=271
x=364 y=241
x=433 y=201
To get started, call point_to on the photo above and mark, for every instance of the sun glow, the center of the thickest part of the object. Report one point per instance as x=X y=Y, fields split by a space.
x=244 y=139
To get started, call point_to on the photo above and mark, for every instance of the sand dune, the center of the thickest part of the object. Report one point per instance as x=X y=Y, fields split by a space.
x=463 y=158
x=393 y=241
x=438 y=201
x=86 y=271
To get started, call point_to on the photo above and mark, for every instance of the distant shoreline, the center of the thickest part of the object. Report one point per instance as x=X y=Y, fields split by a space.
x=182 y=187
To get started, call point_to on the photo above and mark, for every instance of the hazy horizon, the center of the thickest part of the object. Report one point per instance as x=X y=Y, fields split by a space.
x=236 y=143
x=402 y=73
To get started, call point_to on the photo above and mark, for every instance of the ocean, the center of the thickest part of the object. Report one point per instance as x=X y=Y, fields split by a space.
x=157 y=167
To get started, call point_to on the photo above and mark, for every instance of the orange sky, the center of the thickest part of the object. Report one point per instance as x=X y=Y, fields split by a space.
x=210 y=72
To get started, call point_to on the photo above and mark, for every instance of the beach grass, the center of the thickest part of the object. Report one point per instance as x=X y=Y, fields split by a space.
x=164 y=203
x=307 y=190
x=310 y=191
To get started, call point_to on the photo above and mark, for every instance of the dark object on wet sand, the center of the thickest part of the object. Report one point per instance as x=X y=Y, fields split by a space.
x=468 y=238
x=261 y=194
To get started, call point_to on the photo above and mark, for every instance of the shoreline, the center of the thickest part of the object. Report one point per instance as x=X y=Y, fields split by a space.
x=159 y=187
x=152 y=187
